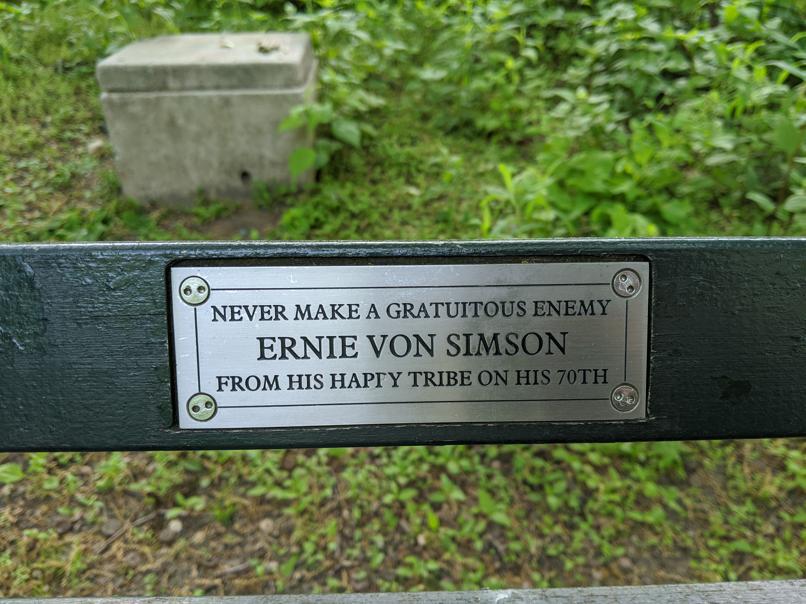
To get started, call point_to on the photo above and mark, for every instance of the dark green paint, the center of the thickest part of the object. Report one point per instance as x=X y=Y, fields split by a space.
x=84 y=355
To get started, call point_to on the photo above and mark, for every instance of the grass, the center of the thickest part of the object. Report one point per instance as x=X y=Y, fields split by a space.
x=395 y=518
x=476 y=120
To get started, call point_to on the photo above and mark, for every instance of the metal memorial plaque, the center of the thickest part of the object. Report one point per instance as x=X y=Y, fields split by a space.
x=281 y=346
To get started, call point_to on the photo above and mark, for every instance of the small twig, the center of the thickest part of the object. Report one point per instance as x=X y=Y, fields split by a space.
x=122 y=530
x=234 y=570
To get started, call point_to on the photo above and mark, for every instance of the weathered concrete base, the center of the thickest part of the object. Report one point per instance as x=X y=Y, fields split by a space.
x=199 y=113
x=173 y=146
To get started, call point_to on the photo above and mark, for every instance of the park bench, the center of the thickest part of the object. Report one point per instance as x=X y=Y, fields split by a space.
x=149 y=346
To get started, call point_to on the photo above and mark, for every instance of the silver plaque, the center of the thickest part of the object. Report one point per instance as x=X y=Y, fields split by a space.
x=279 y=346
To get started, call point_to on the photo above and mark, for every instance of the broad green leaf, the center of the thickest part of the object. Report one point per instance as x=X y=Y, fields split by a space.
x=763 y=201
x=676 y=212
x=310 y=115
x=786 y=136
x=789 y=68
x=347 y=131
x=500 y=517
x=295 y=119
x=302 y=159
x=742 y=545
x=795 y=203
x=10 y=472
x=432 y=74
x=487 y=504
x=407 y=494
x=730 y=13
x=319 y=113
x=590 y=171
x=719 y=159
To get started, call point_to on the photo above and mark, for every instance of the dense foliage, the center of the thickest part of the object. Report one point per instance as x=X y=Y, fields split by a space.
x=443 y=119
x=643 y=118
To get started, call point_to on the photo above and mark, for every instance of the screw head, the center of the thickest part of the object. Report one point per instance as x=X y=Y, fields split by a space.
x=627 y=283
x=202 y=407
x=194 y=291
x=624 y=398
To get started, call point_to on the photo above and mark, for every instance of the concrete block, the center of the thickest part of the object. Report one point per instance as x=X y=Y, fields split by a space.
x=200 y=112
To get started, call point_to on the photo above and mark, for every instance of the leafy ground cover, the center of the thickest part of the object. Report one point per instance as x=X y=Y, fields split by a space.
x=436 y=120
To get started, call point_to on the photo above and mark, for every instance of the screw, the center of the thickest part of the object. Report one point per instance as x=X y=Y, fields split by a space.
x=194 y=291
x=202 y=407
x=624 y=398
x=627 y=283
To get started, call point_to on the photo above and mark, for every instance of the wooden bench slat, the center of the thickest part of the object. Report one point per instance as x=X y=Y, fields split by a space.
x=84 y=343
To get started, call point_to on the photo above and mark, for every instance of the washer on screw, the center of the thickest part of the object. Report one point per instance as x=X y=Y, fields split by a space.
x=624 y=398
x=194 y=291
x=202 y=407
x=627 y=283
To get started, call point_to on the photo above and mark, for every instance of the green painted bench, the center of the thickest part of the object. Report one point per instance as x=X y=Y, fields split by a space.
x=86 y=359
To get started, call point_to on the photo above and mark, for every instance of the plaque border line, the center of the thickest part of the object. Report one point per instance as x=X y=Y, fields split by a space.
x=198 y=362
x=626 y=329
x=497 y=400
x=372 y=287
x=240 y=289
